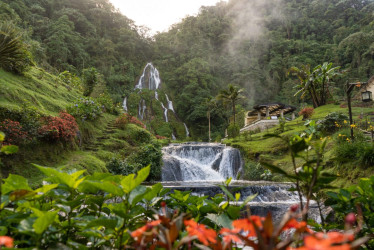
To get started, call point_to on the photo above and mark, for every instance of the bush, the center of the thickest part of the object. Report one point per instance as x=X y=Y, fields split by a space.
x=62 y=128
x=124 y=119
x=358 y=150
x=106 y=103
x=254 y=171
x=306 y=112
x=233 y=130
x=85 y=109
x=332 y=122
x=149 y=154
x=14 y=133
x=117 y=166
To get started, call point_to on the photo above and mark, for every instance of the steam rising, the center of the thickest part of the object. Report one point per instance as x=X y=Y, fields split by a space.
x=250 y=18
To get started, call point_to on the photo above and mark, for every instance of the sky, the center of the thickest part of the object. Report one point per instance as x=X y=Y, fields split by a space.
x=159 y=15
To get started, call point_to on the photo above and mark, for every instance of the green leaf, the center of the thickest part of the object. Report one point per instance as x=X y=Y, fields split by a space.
x=227 y=192
x=14 y=182
x=62 y=178
x=46 y=188
x=106 y=186
x=129 y=182
x=9 y=149
x=233 y=212
x=137 y=194
x=103 y=222
x=222 y=220
x=248 y=199
x=44 y=221
x=153 y=191
x=237 y=196
x=3 y=231
x=2 y=136
x=277 y=170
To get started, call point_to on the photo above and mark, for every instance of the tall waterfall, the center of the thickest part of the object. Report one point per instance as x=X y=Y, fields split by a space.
x=200 y=161
x=150 y=78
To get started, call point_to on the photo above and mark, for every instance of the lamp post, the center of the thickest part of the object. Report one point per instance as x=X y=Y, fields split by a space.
x=366 y=96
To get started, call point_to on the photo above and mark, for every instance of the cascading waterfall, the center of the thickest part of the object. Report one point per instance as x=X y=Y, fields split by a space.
x=150 y=81
x=156 y=96
x=124 y=105
x=200 y=161
x=170 y=103
x=187 y=131
x=165 y=112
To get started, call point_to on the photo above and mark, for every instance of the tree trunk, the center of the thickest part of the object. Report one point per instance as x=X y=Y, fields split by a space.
x=233 y=109
x=210 y=139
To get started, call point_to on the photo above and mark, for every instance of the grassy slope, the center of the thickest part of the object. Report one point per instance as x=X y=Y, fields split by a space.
x=275 y=151
x=37 y=87
x=100 y=140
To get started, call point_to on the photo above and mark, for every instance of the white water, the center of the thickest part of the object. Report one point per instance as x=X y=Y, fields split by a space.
x=156 y=96
x=170 y=103
x=154 y=80
x=187 y=131
x=124 y=105
x=165 y=112
x=200 y=161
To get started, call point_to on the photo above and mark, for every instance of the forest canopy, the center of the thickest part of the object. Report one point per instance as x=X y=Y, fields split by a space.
x=250 y=44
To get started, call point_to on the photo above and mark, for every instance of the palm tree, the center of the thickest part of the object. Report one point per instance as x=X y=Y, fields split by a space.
x=13 y=55
x=231 y=96
x=210 y=104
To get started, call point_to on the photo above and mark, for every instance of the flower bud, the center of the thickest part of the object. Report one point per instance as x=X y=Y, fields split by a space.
x=350 y=219
x=163 y=204
x=294 y=208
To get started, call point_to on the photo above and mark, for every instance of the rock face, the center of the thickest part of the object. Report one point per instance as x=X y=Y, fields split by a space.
x=200 y=161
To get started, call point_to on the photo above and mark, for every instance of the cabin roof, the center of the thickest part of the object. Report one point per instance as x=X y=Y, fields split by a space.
x=274 y=109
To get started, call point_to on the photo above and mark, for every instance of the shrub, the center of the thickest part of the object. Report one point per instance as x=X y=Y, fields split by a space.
x=85 y=109
x=62 y=128
x=160 y=137
x=332 y=122
x=254 y=171
x=124 y=119
x=233 y=130
x=106 y=103
x=14 y=132
x=306 y=112
x=70 y=79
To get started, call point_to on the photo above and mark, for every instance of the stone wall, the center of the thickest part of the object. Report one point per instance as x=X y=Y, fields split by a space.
x=262 y=125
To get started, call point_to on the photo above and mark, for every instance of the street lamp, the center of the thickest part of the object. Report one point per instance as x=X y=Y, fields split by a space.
x=366 y=96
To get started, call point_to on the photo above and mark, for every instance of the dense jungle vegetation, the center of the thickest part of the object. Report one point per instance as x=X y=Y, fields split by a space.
x=226 y=43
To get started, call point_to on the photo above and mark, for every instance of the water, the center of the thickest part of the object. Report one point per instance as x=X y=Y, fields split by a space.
x=165 y=112
x=150 y=78
x=200 y=161
x=187 y=131
x=124 y=105
x=170 y=104
x=200 y=167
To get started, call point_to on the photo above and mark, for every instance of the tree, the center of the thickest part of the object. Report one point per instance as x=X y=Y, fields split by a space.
x=315 y=82
x=231 y=95
x=14 y=56
x=210 y=104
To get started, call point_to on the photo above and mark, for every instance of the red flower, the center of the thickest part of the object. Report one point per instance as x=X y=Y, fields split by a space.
x=6 y=241
x=205 y=235
x=247 y=224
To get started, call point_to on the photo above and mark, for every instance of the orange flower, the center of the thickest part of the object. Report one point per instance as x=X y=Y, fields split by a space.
x=140 y=231
x=205 y=235
x=230 y=235
x=6 y=241
x=247 y=224
x=299 y=226
x=329 y=241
